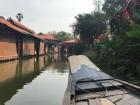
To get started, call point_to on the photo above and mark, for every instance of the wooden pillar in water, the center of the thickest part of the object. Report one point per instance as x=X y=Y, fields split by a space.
x=37 y=47
x=19 y=46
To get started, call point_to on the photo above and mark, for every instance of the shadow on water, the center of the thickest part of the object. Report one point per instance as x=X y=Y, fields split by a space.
x=15 y=74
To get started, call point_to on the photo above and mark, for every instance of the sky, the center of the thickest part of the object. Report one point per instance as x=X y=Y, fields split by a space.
x=46 y=15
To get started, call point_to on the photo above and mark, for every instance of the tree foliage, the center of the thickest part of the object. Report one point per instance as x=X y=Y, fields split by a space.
x=116 y=10
x=98 y=5
x=89 y=26
x=121 y=53
x=135 y=31
x=134 y=10
x=62 y=35
x=123 y=14
x=113 y=7
x=19 y=16
x=40 y=33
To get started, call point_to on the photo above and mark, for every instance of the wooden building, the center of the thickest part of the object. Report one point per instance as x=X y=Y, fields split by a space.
x=17 y=41
x=67 y=46
x=51 y=43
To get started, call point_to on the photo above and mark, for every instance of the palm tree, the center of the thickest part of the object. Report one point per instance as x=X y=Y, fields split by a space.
x=19 y=16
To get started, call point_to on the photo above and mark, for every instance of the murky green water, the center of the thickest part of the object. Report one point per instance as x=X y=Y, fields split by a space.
x=34 y=81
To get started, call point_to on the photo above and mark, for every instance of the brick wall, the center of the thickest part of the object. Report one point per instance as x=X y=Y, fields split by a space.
x=7 y=46
x=42 y=48
x=28 y=47
x=56 y=49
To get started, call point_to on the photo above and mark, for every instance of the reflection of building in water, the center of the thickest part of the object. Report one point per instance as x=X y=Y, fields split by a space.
x=41 y=63
x=14 y=75
x=51 y=59
x=56 y=63
x=7 y=71
x=27 y=66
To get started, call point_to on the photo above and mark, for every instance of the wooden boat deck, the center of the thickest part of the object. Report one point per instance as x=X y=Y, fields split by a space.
x=88 y=85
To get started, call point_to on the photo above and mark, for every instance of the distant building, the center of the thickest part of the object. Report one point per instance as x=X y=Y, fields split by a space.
x=71 y=42
x=48 y=37
x=67 y=46
x=17 y=40
x=51 y=43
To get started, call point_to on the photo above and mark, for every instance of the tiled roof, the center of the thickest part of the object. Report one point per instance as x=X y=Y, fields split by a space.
x=7 y=23
x=73 y=41
x=16 y=23
x=48 y=37
x=18 y=27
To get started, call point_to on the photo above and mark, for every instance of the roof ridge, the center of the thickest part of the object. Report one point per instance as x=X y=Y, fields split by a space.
x=18 y=29
x=48 y=37
x=18 y=24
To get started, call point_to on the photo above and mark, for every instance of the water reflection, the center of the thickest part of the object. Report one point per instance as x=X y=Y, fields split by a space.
x=57 y=61
x=15 y=75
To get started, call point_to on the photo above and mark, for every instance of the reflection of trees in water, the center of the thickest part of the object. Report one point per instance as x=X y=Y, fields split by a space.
x=61 y=67
x=57 y=62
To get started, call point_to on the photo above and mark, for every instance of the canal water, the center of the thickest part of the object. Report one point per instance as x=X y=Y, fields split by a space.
x=34 y=81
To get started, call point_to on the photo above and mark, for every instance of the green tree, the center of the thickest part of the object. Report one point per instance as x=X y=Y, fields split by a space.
x=122 y=14
x=122 y=52
x=118 y=16
x=40 y=33
x=134 y=32
x=62 y=35
x=19 y=16
x=89 y=26
x=134 y=11
x=113 y=7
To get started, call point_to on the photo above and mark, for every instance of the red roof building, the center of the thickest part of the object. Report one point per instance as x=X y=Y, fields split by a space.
x=73 y=41
x=17 y=40
x=70 y=42
x=48 y=37
x=15 y=25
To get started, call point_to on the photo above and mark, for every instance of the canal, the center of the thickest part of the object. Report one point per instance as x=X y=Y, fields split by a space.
x=34 y=81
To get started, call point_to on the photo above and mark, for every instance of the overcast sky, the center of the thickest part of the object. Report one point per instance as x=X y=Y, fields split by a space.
x=46 y=15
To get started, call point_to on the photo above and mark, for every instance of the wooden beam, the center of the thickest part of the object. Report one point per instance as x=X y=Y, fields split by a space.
x=105 y=101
